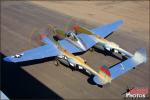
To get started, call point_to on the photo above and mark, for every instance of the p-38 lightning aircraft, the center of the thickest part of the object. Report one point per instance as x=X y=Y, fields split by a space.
x=54 y=49
x=82 y=39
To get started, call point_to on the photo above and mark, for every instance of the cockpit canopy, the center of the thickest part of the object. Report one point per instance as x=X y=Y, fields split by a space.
x=71 y=35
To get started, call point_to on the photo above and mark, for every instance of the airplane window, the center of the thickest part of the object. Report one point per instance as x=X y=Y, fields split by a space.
x=75 y=38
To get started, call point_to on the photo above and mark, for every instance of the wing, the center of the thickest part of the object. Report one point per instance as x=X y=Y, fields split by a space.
x=3 y=96
x=36 y=53
x=106 y=30
x=128 y=64
x=87 y=40
x=72 y=48
x=47 y=40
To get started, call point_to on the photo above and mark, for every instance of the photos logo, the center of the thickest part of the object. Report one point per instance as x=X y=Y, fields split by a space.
x=137 y=93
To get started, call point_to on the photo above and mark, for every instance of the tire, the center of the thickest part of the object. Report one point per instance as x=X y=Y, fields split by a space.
x=91 y=49
x=56 y=63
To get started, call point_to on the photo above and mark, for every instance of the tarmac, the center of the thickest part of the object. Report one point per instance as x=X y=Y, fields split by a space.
x=42 y=79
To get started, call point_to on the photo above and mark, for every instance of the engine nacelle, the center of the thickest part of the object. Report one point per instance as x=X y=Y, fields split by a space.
x=99 y=46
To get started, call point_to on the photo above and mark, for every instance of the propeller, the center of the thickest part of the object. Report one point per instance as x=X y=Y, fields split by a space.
x=71 y=25
x=75 y=26
x=56 y=32
x=35 y=36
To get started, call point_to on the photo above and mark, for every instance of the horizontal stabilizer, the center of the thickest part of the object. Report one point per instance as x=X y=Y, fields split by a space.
x=123 y=67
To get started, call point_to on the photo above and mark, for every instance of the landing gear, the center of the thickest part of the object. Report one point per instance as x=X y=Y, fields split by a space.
x=74 y=68
x=91 y=49
x=101 y=86
x=124 y=57
x=104 y=86
x=56 y=62
x=112 y=50
x=106 y=52
x=85 y=61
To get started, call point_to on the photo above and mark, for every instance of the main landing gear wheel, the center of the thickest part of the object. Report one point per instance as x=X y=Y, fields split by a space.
x=101 y=86
x=91 y=49
x=74 y=69
x=106 y=85
x=56 y=63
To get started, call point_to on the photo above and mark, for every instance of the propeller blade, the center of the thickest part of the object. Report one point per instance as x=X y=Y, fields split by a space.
x=35 y=36
x=51 y=29
x=69 y=24
x=60 y=33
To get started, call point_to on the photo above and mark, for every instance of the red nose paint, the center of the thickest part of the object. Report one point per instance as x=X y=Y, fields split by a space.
x=76 y=27
x=105 y=71
x=42 y=36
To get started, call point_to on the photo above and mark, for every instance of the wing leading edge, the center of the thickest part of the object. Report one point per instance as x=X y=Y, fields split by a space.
x=107 y=29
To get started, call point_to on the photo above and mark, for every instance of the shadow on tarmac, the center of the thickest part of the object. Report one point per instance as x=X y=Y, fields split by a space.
x=18 y=84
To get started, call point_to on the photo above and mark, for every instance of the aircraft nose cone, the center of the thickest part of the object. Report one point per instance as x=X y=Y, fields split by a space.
x=97 y=80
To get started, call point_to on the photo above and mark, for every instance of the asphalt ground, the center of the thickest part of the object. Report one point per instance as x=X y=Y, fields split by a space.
x=42 y=79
